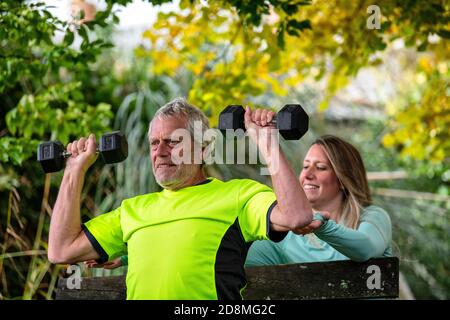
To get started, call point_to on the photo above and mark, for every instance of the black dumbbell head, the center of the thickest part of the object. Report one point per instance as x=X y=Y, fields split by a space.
x=292 y=122
x=113 y=147
x=232 y=117
x=50 y=156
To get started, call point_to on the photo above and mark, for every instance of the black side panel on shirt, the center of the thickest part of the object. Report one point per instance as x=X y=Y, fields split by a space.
x=103 y=255
x=231 y=256
x=275 y=236
x=229 y=266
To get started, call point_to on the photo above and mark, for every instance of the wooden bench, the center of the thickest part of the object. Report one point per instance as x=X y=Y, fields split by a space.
x=375 y=278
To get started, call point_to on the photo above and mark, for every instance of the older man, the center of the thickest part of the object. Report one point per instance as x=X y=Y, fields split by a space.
x=190 y=240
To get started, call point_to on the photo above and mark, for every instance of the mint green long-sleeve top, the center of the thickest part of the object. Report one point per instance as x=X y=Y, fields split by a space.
x=332 y=241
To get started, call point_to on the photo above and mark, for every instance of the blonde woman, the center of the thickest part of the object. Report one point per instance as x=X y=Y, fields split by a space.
x=346 y=226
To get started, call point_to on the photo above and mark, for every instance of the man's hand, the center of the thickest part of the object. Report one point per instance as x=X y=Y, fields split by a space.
x=314 y=225
x=257 y=121
x=83 y=154
x=107 y=265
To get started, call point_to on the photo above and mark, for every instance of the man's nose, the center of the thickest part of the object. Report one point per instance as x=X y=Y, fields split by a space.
x=161 y=150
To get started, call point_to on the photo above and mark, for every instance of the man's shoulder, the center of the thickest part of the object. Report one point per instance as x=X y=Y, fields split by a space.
x=241 y=182
x=228 y=183
x=141 y=199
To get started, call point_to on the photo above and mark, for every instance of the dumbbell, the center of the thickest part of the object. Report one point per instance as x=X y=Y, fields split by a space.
x=113 y=147
x=291 y=120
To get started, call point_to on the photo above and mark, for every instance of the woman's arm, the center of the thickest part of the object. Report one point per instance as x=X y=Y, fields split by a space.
x=369 y=240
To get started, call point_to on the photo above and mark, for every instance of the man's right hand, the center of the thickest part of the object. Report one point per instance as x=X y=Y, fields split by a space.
x=314 y=225
x=116 y=263
x=83 y=154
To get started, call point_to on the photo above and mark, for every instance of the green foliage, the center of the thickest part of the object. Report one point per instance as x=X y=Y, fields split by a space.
x=421 y=115
x=235 y=56
x=132 y=118
x=217 y=53
x=61 y=110
x=420 y=235
x=38 y=78
x=45 y=94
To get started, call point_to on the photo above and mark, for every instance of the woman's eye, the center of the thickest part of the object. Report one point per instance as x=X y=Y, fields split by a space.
x=322 y=168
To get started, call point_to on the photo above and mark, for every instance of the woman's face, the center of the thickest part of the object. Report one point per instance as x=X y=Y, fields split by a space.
x=318 y=179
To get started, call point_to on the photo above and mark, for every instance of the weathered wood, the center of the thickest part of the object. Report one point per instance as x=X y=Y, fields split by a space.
x=386 y=175
x=320 y=280
x=95 y=288
x=324 y=280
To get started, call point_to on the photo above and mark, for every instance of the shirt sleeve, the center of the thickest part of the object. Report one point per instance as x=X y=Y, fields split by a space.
x=264 y=253
x=255 y=204
x=369 y=240
x=105 y=234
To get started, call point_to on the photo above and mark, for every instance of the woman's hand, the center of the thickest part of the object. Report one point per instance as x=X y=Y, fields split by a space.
x=314 y=225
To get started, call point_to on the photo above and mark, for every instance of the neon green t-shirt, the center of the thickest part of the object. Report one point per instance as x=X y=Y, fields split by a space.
x=187 y=244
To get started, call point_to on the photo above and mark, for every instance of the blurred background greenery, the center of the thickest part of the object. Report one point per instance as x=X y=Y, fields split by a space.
x=384 y=89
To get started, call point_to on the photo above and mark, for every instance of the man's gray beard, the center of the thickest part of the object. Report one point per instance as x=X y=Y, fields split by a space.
x=168 y=184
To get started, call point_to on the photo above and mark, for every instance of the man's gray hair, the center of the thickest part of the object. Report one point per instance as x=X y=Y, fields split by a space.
x=180 y=107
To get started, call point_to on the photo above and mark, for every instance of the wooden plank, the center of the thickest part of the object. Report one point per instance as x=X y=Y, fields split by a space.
x=319 y=280
x=386 y=175
x=409 y=194
x=324 y=280
x=95 y=288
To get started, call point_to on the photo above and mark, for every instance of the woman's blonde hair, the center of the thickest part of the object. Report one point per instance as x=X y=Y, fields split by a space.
x=351 y=174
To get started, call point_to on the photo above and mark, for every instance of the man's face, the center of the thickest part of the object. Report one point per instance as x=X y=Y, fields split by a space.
x=166 y=149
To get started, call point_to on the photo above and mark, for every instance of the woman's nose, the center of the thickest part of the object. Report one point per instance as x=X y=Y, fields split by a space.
x=308 y=173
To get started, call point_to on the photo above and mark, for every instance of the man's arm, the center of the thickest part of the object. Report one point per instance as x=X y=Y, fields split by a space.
x=293 y=209
x=67 y=242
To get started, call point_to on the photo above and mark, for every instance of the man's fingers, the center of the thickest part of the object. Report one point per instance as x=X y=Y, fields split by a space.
x=248 y=114
x=92 y=264
x=91 y=144
x=74 y=149
x=301 y=231
x=315 y=225
x=256 y=117
x=270 y=116
x=81 y=145
x=111 y=265
x=264 y=117
x=325 y=214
